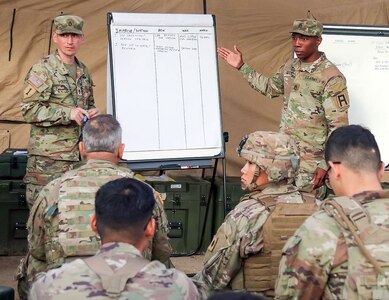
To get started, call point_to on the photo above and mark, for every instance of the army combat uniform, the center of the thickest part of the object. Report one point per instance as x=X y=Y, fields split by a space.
x=315 y=103
x=319 y=263
x=49 y=94
x=241 y=236
x=59 y=227
x=76 y=280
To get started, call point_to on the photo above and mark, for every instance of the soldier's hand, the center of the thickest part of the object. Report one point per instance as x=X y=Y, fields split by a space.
x=93 y=112
x=318 y=178
x=233 y=58
x=77 y=114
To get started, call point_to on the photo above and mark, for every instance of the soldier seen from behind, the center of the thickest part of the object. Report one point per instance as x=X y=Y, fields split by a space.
x=124 y=221
x=245 y=252
x=315 y=98
x=58 y=226
x=57 y=95
x=342 y=251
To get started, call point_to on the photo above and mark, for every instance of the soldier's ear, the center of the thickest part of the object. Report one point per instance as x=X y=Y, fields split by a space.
x=150 y=229
x=55 y=37
x=81 y=147
x=92 y=221
x=121 y=150
x=382 y=170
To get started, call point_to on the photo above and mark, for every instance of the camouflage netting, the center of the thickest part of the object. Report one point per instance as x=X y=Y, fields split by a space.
x=260 y=29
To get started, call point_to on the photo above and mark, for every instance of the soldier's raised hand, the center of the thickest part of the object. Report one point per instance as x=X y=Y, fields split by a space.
x=93 y=112
x=233 y=57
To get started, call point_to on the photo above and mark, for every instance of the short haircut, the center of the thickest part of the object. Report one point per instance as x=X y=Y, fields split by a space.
x=355 y=147
x=124 y=206
x=102 y=134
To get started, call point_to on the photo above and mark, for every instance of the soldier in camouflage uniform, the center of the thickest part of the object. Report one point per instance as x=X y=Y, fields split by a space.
x=271 y=161
x=57 y=96
x=58 y=225
x=124 y=220
x=315 y=97
x=324 y=260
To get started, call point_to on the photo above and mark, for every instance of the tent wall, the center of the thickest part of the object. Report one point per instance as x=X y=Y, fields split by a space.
x=259 y=28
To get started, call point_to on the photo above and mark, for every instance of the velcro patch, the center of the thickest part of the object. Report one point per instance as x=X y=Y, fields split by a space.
x=341 y=101
x=213 y=244
x=160 y=198
x=36 y=81
x=29 y=91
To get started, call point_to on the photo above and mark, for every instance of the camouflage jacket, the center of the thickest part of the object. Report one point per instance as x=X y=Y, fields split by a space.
x=49 y=94
x=315 y=103
x=240 y=236
x=314 y=262
x=47 y=232
x=76 y=280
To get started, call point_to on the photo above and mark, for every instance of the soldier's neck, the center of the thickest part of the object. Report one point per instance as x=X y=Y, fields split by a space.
x=358 y=183
x=103 y=156
x=66 y=59
x=141 y=244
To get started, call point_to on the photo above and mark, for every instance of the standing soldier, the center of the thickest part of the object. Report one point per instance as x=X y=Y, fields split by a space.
x=315 y=97
x=57 y=97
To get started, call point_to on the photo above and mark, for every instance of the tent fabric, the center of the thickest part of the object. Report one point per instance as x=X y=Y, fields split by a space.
x=259 y=28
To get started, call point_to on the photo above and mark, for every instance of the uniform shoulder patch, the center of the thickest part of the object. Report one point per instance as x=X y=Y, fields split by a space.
x=29 y=91
x=36 y=81
x=341 y=101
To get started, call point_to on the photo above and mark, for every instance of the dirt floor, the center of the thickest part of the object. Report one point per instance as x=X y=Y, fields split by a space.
x=8 y=264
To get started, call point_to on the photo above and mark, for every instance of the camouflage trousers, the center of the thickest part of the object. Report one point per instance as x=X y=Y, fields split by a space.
x=304 y=178
x=21 y=277
x=40 y=171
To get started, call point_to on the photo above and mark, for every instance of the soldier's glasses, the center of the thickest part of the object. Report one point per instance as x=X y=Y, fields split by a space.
x=147 y=223
x=326 y=177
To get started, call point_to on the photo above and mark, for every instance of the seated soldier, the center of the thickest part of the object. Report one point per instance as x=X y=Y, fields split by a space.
x=58 y=226
x=245 y=251
x=124 y=221
x=342 y=251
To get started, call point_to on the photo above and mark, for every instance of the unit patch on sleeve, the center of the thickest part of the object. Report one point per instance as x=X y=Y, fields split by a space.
x=29 y=91
x=341 y=101
x=36 y=81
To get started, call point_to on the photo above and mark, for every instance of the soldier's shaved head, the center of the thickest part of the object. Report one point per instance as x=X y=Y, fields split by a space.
x=355 y=147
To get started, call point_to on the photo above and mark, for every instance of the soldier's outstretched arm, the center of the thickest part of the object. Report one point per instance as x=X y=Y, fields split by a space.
x=233 y=57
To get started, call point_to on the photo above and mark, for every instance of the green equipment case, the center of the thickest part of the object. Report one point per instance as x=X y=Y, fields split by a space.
x=13 y=163
x=7 y=293
x=233 y=194
x=186 y=206
x=13 y=217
